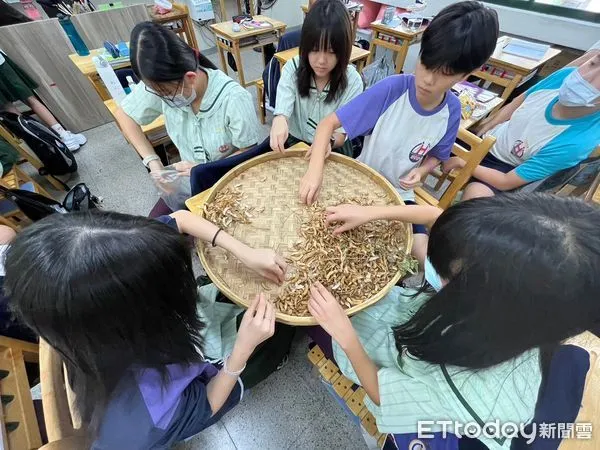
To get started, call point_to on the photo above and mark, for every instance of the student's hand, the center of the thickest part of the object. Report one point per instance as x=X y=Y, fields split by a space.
x=347 y=216
x=310 y=185
x=266 y=263
x=184 y=167
x=453 y=163
x=279 y=133
x=412 y=179
x=329 y=314
x=258 y=325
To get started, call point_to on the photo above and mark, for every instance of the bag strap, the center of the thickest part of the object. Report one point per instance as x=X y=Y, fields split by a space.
x=463 y=401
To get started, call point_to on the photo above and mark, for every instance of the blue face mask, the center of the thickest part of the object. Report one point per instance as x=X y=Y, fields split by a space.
x=577 y=91
x=432 y=276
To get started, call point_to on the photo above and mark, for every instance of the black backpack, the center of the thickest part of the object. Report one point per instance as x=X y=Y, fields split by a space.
x=56 y=158
x=37 y=206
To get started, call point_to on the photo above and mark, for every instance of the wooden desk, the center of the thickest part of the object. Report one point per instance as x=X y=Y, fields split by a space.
x=354 y=15
x=230 y=41
x=359 y=56
x=518 y=66
x=155 y=128
x=88 y=69
x=184 y=26
x=403 y=39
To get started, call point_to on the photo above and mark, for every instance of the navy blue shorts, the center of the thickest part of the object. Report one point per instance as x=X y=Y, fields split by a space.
x=417 y=229
x=493 y=163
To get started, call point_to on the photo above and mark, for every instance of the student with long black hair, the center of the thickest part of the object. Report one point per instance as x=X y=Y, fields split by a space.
x=319 y=80
x=512 y=274
x=207 y=114
x=115 y=296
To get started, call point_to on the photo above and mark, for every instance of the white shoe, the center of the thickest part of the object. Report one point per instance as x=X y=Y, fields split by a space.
x=73 y=141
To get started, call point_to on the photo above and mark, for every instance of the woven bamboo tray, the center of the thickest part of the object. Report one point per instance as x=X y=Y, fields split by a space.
x=271 y=181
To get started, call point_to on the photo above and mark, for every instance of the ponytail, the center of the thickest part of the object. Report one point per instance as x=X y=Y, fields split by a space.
x=159 y=55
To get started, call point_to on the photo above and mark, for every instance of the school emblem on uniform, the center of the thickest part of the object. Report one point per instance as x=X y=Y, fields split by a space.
x=418 y=152
x=519 y=149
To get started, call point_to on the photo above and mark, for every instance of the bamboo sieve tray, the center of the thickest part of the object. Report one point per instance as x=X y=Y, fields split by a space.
x=270 y=183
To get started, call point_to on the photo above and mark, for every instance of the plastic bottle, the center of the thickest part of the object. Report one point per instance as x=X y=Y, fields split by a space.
x=71 y=31
x=109 y=78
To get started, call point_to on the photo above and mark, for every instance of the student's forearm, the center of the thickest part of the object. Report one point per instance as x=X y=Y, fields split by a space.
x=220 y=387
x=134 y=134
x=321 y=142
x=203 y=229
x=365 y=368
x=417 y=214
x=430 y=163
x=493 y=177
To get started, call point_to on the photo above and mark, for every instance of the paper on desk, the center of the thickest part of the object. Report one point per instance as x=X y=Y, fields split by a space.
x=526 y=49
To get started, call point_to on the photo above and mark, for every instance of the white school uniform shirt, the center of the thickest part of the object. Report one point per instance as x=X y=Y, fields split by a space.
x=398 y=132
x=538 y=144
x=226 y=117
x=305 y=113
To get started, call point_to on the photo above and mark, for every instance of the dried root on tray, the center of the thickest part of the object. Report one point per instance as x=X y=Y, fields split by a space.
x=354 y=265
x=227 y=209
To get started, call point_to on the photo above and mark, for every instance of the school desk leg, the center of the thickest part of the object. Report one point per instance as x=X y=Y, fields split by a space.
x=222 y=58
x=401 y=56
x=238 y=61
x=373 y=48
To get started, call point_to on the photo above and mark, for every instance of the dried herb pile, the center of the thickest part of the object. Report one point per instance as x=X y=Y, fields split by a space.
x=354 y=265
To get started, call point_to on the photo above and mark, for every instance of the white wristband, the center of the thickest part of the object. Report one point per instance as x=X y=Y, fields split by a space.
x=148 y=159
x=235 y=373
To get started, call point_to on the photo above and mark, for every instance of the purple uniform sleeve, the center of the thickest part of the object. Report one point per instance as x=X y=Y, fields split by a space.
x=443 y=148
x=168 y=220
x=359 y=116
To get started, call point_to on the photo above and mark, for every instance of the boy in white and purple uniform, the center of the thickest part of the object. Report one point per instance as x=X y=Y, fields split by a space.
x=410 y=122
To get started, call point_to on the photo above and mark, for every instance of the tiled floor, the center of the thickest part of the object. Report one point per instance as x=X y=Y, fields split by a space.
x=291 y=409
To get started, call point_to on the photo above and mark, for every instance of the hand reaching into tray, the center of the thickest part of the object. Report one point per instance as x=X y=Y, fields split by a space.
x=328 y=312
x=264 y=262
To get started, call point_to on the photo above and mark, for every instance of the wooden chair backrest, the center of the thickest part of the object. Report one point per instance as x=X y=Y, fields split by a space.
x=19 y=429
x=60 y=415
x=478 y=149
x=509 y=84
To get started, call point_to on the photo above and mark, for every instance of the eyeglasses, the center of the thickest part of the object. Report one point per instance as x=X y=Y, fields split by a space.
x=170 y=99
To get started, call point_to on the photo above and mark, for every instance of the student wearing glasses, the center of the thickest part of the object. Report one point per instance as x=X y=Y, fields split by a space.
x=208 y=115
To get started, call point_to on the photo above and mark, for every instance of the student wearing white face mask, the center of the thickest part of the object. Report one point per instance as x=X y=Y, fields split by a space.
x=208 y=115
x=553 y=126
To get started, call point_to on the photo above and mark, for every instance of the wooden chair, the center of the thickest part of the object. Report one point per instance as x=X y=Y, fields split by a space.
x=10 y=214
x=20 y=429
x=26 y=154
x=63 y=425
x=478 y=149
x=260 y=96
x=508 y=85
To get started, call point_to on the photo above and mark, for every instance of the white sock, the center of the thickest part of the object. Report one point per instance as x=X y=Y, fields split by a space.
x=59 y=129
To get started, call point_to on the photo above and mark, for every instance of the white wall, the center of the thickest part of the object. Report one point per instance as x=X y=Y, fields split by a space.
x=287 y=11
x=552 y=29
x=542 y=27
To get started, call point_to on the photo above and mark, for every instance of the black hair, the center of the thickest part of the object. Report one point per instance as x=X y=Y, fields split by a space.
x=460 y=38
x=158 y=55
x=108 y=292
x=327 y=26
x=522 y=273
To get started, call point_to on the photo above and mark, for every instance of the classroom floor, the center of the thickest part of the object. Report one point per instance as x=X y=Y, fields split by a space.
x=291 y=409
